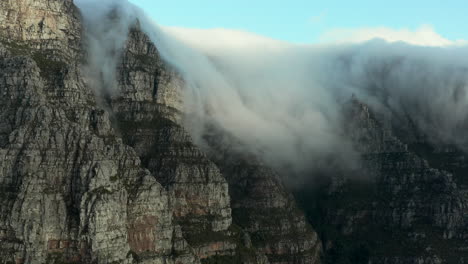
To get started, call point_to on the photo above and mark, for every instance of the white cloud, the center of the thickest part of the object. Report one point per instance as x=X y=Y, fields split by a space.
x=423 y=36
x=221 y=38
x=284 y=102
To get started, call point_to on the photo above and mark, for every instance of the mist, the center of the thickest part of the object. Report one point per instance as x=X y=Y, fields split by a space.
x=283 y=102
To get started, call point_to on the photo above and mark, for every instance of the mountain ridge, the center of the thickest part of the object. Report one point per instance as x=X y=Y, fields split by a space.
x=76 y=191
x=94 y=171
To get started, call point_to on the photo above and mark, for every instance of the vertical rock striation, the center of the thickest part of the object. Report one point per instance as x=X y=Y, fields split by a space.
x=71 y=191
x=263 y=207
x=148 y=108
x=118 y=179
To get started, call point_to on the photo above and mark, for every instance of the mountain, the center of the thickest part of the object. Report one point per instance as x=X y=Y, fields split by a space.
x=99 y=171
x=115 y=178
x=408 y=206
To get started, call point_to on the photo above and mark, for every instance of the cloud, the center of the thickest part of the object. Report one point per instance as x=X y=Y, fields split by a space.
x=423 y=36
x=221 y=38
x=284 y=102
x=106 y=31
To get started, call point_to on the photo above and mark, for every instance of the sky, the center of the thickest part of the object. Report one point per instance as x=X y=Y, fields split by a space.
x=306 y=21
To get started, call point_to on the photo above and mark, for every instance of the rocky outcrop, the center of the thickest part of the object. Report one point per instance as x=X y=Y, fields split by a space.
x=89 y=176
x=405 y=210
x=148 y=110
x=51 y=26
x=263 y=207
x=85 y=179
x=202 y=198
x=71 y=190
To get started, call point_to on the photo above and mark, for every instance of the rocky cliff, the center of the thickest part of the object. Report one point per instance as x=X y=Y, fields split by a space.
x=408 y=206
x=90 y=177
x=105 y=172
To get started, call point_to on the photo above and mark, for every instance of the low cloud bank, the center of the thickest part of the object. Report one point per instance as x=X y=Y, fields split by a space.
x=422 y=36
x=283 y=101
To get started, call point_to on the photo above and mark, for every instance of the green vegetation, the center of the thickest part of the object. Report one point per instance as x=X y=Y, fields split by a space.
x=48 y=67
x=133 y=254
x=114 y=178
x=100 y=191
x=144 y=62
x=197 y=230
x=60 y=258
x=236 y=259
x=199 y=234
x=268 y=218
x=17 y=49
x=158 y=122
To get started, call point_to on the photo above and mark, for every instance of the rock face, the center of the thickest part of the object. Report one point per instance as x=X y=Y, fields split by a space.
x=47 y=25
x=113 y=177
x=116 y=179
x=413 y=210
x=262 y=207
x=71 y=190
x=148 y=114
x=201 y=196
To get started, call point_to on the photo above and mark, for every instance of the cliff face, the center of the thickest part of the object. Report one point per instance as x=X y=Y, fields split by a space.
x=148 y=112
x=117 y=179
x=88 y=176
x=410 y=208
x=47 y=25
x=263 y=207
x=69 y=185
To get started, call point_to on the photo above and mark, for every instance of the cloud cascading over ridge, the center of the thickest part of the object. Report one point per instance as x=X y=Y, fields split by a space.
x=284 y=101
x=423 y=36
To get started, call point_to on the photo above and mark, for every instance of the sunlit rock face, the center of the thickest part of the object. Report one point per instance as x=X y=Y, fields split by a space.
x=68 y=183
x=96 y=169
x=52 y=25
x=148 y=112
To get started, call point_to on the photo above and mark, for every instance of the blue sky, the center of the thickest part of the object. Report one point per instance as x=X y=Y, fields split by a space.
x=306 y=20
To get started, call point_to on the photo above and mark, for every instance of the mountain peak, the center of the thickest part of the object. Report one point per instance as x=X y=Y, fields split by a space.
x=41 y=24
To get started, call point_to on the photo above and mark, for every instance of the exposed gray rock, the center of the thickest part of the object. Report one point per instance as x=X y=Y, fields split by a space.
x=48 y=25
x=263 y=207
x=71 y=190
x=119 y=180
x=104 y=180
x=148 y=110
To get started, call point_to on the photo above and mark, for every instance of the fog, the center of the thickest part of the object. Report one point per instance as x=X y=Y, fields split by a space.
x=282 y=101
